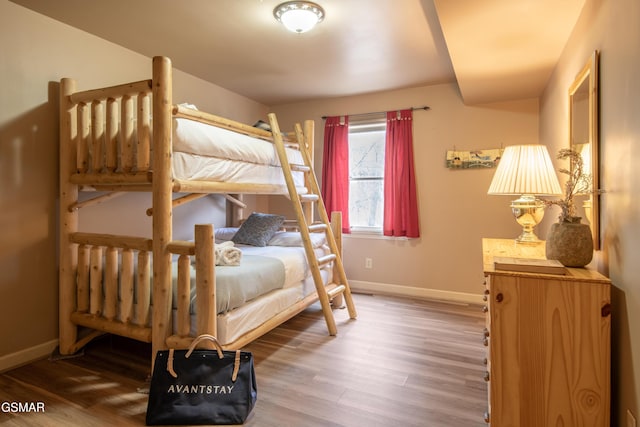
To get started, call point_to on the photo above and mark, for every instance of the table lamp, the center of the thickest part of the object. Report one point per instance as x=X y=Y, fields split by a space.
x=527 y=171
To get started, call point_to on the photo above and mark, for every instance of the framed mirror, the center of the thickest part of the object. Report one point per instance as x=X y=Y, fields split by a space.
x=583 y=138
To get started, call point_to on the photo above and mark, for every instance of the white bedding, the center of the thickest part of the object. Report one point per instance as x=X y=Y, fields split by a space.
x=294 y=259
x=298 y=284
x=204 y=152
x=237 y=322
x=195 y=167
x=285 y=246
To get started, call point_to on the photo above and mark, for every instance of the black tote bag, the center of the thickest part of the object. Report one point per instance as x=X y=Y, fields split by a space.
x=201 y=386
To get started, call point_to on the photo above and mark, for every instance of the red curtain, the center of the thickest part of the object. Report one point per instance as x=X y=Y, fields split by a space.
x=335 y=168
x=400 y=196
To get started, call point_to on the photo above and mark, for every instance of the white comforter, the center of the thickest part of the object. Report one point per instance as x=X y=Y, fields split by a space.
x=210 y=141
x=209 y=153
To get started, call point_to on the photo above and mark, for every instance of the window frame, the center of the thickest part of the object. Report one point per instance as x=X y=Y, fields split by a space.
x=371 y=123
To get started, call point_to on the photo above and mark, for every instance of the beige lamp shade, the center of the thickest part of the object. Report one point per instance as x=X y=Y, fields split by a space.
x=527 y=171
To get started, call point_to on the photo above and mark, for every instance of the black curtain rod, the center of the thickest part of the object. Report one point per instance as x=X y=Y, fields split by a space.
x=382 y=112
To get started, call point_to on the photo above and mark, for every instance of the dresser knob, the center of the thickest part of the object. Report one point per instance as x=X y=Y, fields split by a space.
x=485 y=332
x=499 y=297
x=485 y=309
x=487 y=418
x=486 y=376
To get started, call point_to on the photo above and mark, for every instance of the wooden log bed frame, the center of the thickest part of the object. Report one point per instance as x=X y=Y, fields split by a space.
x=110 y=143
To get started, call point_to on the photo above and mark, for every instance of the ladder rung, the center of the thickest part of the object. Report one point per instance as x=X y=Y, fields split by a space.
x=300 y=168
x=336 y=291
x=313 y=228
x=326 y=259
x=309 y=197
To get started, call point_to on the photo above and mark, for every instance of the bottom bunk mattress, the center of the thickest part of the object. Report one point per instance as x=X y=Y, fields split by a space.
x=267 y=281
x=235 y=285
x=237 y=322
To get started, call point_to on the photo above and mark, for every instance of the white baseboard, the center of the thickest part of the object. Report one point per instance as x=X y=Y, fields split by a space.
x=413 y=292
x=28 y=355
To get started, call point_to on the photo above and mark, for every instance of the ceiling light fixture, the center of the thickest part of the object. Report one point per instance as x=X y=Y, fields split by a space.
x=299 y=16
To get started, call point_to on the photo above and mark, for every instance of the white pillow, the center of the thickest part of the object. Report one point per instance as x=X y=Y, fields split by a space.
x=187 y=105
x=224 y=234
x=293 y=238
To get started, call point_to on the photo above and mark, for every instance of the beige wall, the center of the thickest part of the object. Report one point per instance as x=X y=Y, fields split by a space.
x=455 y=210
x=35 y=53
x=613 y=28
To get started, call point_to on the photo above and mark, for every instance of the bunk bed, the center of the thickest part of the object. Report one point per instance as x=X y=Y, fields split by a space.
x=132 y=138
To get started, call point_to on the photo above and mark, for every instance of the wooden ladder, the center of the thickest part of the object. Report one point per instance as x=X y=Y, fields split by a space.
x=339 y=285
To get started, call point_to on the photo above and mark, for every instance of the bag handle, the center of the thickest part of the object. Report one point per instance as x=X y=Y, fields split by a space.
x=170 y=364
x=236 y=367
x=236 y=364
x=205 y=337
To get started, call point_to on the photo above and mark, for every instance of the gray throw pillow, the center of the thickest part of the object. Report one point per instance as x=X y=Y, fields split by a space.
x=258 y=229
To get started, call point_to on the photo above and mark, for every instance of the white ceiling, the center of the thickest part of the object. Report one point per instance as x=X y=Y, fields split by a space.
x=495 y=49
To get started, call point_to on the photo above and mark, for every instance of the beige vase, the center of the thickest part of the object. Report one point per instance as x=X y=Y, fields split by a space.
x=570 y=243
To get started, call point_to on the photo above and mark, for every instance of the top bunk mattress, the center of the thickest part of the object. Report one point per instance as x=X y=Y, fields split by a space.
x=210 y=153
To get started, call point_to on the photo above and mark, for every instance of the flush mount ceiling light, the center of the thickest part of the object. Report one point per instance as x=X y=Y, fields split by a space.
x=299 y=16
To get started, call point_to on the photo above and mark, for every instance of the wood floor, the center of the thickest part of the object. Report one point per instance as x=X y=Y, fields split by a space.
x=401 y=363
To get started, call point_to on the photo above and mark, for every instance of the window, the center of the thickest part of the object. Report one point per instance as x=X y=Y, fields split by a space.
x=366 y=174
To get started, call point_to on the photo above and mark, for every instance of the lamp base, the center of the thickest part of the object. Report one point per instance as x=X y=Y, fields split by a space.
x=528 y=236
x=528 y=211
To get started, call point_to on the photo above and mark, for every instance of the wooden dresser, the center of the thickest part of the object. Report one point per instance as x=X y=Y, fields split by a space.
x=548 y=343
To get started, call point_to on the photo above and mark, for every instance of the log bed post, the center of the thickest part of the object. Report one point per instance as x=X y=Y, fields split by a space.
x=336 y=228
x=162 y=209
x=68 y=331
x=308 y=132
x=206 y=305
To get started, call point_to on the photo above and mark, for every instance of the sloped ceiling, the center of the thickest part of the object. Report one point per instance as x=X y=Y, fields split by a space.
x=503 y=48
x=495 y=49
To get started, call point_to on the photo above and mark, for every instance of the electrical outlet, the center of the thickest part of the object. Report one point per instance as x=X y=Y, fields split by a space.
x=631 y=420
x=368 y=263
